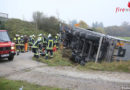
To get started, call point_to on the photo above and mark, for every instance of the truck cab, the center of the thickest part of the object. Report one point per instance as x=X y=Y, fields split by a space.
x=7 y=48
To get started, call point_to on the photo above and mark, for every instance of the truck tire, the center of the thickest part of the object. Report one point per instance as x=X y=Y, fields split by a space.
x=11 y=58
x=82 y=62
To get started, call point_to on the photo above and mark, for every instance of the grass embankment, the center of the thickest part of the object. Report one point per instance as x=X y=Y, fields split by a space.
x=6 y=84
x=17 y=26
x=59 y=60
x=123 y=66
x=127 y=38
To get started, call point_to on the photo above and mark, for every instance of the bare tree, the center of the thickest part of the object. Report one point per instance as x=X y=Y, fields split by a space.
x=37 y=17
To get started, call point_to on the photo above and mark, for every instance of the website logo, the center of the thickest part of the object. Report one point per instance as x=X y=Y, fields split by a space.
x=119 y=9
x=129 y=4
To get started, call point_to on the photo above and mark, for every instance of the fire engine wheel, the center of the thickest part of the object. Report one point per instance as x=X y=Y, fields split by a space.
x=11 y=58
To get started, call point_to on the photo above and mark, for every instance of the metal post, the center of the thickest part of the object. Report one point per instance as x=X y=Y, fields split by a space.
x=100 y=44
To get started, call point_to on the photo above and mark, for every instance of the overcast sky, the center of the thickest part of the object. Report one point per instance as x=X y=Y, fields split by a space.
x=87 y=10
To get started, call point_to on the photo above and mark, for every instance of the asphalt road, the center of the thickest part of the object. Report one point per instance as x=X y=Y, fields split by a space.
x=24 y=68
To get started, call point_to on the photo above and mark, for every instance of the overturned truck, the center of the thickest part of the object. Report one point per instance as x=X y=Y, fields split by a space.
x=87 y=45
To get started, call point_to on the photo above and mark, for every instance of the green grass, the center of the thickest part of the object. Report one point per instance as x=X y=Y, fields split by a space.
x=122 y=66
x=127 y=38
x=6 y=84
x=58 y=60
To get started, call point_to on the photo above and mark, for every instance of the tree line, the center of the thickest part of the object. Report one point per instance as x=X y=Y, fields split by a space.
x=119 y=31
x=45 y=24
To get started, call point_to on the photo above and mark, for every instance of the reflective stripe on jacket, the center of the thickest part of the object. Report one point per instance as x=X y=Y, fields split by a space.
x=50 y=44
x=17 y=40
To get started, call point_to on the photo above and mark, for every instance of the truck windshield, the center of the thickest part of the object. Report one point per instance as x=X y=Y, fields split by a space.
x=4 y=37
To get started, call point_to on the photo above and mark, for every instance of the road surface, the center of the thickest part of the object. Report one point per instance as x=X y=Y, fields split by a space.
x=24 y=68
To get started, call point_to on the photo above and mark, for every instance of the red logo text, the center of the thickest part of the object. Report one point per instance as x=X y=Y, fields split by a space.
x=119 y=9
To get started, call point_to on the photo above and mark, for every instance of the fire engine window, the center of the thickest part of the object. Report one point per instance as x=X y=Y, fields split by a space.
x=4 y=37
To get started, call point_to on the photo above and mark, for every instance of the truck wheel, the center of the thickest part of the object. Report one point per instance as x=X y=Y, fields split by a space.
x=11 y=58
x=82 y=63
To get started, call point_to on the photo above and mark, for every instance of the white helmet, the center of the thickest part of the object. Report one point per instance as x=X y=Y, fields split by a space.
x=17 y=35
x=33 y=35
x=22 y=36
x=49 y=35
x=57 y=34
x=25 y=35
x=39 y=39
x=40 y=35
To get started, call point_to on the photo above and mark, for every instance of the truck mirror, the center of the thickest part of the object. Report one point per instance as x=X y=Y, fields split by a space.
x=121 y=52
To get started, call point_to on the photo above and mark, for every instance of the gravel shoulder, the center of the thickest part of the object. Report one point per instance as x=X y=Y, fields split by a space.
x=24 y=68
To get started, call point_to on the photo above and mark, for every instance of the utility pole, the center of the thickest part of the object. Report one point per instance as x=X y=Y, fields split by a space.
x=36 y=24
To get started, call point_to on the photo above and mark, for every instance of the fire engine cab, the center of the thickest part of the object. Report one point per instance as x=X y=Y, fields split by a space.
x=7 y=48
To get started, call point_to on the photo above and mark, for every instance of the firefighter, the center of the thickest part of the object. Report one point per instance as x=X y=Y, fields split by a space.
x=22 y=44
x=25 y=43
x=44 y=44
x=33 y=38
x=17 y=42
x=35 y=47
x=49 y=48
x=56 y=42
x=40 y=44
x=44 y=40
x=31 y=41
